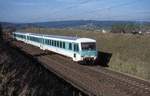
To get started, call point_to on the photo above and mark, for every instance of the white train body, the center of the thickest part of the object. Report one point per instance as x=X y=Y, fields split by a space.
x=79 y=49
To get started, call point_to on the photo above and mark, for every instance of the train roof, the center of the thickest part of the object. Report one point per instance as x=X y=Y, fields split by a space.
x=74 y=38
x=62 y=37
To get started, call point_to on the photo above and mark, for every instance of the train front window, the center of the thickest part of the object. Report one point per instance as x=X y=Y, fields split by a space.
x=88 y=46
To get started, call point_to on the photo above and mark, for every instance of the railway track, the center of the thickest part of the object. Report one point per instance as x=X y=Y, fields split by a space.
x=93 y=80
x=133 y=86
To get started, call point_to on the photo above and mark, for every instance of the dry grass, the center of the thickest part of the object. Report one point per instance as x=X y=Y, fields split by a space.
x=130 y=53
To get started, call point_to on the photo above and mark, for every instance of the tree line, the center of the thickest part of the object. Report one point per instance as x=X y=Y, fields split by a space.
x=126 y=28
x=130 y=28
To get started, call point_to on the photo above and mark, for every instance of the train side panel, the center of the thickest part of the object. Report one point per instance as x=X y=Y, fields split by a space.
x=67 y=47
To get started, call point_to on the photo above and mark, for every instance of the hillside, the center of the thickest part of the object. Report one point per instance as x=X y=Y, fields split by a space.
x=79 y=24
x=22 y=76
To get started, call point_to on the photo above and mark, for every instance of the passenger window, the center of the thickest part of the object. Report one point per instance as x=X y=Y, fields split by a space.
x=76 y=47
x=57 y=43
x=49 y=43
x=60 y=44
x=70 y=46
x=64 y=45
x=54 y=43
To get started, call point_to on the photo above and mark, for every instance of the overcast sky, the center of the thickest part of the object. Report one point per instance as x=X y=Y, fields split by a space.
x=58 y=10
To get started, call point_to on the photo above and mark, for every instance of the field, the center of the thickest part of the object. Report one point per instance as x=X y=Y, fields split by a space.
x=126 y=53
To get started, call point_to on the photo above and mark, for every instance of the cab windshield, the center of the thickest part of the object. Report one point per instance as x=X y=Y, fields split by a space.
x=88 y=46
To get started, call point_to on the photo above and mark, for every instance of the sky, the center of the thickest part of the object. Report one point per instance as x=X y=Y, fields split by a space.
x=25 y=11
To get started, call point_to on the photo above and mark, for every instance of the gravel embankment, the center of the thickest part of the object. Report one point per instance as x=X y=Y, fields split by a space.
x=20 y=76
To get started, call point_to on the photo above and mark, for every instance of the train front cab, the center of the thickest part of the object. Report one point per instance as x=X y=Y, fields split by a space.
x=87 y=52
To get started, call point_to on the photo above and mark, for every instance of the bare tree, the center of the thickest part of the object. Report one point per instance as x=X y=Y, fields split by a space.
x=1 y=32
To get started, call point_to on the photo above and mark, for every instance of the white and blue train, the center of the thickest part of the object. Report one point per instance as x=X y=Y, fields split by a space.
x=79 y=49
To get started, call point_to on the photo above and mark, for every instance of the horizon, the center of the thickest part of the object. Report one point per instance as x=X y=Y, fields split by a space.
x=27 y=11
x=76 y=21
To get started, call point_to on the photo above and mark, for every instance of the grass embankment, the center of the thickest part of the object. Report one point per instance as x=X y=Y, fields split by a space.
x=20 y=76
x=130 y=53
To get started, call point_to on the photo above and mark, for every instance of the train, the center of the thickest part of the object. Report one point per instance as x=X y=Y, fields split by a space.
x=76 y=48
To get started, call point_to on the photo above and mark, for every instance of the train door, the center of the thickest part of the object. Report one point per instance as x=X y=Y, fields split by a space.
x=42 y=43
x=26 y=39
x=76 y=50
